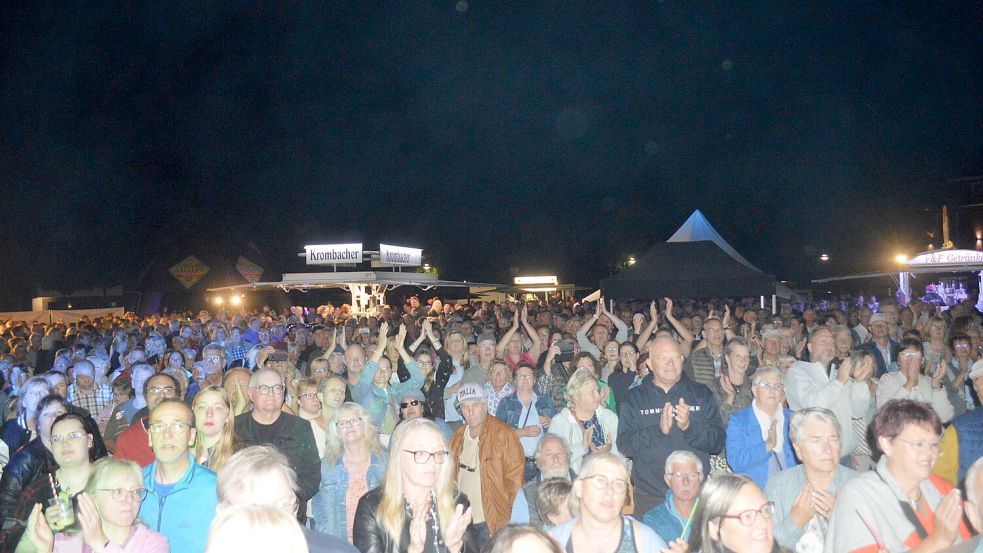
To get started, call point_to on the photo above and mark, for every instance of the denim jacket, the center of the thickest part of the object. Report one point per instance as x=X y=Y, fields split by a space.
x=378 y=400
x=329 y=505
x=510 y=409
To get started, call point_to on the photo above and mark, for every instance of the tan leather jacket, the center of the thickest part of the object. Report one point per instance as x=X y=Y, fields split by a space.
x=502 y=466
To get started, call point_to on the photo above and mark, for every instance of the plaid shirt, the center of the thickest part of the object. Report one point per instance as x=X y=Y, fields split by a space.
x=93 y=402
x=236 y=352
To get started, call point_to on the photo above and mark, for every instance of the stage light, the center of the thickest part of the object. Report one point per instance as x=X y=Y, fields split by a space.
x=235 y=300
x=901 y=258
x=824 y=257
x=218 y=300
x=632 y=260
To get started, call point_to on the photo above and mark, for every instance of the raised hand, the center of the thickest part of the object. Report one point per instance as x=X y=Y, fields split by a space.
x=38 y=531
x=682 y=414
x=654 y=309
x=418 y=526
x=823 y=501
x=939 y=375
x=665 y=424
x=454 y=531
x=948 y=515
x=804 y=507
x=728 y=388
x=772 y=440
x=91 y=522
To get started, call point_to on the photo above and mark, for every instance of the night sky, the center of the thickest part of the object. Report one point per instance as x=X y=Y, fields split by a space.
x=555 y=137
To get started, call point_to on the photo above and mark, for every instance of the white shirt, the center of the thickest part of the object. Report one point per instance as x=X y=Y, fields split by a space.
x=764 y=421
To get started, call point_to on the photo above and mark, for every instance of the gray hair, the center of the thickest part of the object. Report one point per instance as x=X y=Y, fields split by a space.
x=577 y=381
x=542 y=444
x=683 y=456
x=254 y=379
x=800 y=418
x=972 y=483
x=765 y=371
x=736 y=342
x=245 y=466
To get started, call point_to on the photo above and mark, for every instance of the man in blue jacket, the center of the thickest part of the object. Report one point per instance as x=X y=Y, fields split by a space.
x=667 y=412
x=181 y=495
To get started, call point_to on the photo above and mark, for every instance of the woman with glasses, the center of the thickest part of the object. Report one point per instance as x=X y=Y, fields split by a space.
x=758 y=443
x=901 y=505
x=354 y=463
x=909 y=382
x=528 y=413
x=215 y=439
x=732 y=516
x=71 y=447
x=33 y=462
x=107 y=514
x=418 y=508
x=602 y=490
x=374 y=390
x=413 y=405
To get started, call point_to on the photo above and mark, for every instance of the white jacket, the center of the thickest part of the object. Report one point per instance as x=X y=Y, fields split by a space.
x=565 y=425
x=806 y=385
x=891 y=386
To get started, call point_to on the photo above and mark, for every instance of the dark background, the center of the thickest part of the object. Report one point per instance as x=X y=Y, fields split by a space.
x=559 y=137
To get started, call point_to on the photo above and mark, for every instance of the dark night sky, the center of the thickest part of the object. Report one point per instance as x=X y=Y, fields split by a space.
x=560 y=136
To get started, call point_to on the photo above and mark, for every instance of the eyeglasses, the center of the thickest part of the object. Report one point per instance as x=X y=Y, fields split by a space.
x=120 y=494
x=265 y=390
x=771 y=386
x=409 y=404
x=311 y=395
x=71 y=438
x=423 y=457
x=909 y=354
x=525 y=376
x=601 y=482
x=176 y=427
x=320 y=370
x=921 y=445
x=353 y=423
x=686 y=476
x=748 y=517
x=155 y=390
x=422 y=362
x=498 y=373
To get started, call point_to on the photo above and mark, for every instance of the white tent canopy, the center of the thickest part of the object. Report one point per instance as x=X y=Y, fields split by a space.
x=697 y=229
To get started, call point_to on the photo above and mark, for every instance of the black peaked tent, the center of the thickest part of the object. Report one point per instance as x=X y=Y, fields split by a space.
x=695 y=262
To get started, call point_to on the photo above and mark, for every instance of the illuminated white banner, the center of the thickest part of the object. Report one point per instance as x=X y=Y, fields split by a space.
x=333 y=254
x=396 y=255
x=947 y=257
x=551 y=279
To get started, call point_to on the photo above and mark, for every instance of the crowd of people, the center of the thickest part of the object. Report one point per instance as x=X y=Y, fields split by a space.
x=434 y=427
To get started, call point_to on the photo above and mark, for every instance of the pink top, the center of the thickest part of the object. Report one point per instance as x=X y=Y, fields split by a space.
x=357 y=486
x=141 y=540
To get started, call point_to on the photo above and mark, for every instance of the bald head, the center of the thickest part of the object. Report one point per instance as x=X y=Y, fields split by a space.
x=666 y=360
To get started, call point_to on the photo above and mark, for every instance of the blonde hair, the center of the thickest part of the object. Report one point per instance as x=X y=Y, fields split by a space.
x=302 y=383
x=255 y=528
x=227 y=443
x=576 y=382
x=392 y=507
x=333 y=447
x=108 y=467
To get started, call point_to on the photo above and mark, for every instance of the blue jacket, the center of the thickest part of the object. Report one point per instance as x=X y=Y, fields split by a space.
x=969 y=432
x=185 y=514
x=666 y=521
x=510 y=409
x=330 y=504
x=378 y=400
x=746 y=452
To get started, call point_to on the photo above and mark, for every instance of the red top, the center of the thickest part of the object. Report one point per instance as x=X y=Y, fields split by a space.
x=134 y=444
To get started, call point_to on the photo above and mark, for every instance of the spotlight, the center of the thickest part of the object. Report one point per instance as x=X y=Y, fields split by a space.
x=901 y=258
x=235 y=300
x=218 y=300
x=824 y=257
x=632 y=260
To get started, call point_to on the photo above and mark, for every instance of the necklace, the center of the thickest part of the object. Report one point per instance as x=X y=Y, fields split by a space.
x=598 y=545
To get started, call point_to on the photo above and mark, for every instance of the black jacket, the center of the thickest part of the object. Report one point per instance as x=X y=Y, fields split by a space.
x=369 y=536
x=640 y=437
x=291 y=436
x=33 y=461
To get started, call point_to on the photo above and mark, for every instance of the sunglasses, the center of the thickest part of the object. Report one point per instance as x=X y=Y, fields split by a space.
x=409 y=404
